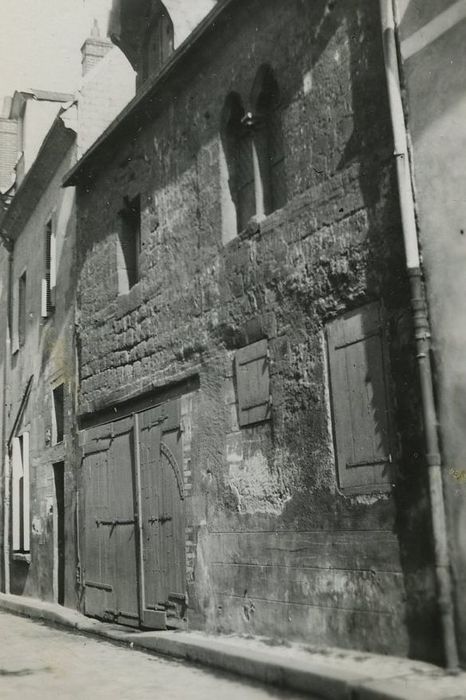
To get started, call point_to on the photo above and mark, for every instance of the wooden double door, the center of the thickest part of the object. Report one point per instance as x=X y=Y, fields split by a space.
x=133 y=534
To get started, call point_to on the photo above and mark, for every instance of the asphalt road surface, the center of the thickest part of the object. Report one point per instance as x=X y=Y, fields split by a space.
x=37 y=661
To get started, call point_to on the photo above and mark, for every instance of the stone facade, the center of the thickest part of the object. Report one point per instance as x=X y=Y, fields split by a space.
x=274 y=546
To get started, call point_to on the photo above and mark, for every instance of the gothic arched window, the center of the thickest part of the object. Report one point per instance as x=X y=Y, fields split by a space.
x=158 y=43
x=268 y=142
x=239 y=197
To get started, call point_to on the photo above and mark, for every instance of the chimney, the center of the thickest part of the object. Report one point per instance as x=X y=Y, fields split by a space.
x=6 y=109
x=94 y=49
x=8 y=146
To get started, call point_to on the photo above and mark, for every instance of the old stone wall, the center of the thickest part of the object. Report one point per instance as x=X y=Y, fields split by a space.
x=277 y=548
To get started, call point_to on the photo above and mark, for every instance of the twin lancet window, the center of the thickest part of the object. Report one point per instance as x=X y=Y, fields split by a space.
x=253 y=155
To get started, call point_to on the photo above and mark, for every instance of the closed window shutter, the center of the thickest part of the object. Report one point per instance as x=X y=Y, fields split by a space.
x=16 y=476
x=253 y=383
x=49 y=280
x=53 y=260
x=360 y=399
x=26 y=498
x=22 y=286
x=15 y=321
x=43 y=299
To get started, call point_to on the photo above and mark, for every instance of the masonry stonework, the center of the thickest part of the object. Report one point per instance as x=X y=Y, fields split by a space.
x=274 y=546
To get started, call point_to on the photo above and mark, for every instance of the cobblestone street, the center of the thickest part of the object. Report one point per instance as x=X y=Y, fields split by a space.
x=42 y=662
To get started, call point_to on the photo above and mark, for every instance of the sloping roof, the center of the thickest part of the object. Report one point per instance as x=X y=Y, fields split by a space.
x=59 y=139
x=21 y=96
x=136 y=108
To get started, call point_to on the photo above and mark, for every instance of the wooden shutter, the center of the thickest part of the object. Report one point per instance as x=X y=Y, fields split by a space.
x=253 y=383
x=26 y=499
x=48 y=281
x=22 y=287
x=16 y=476
x=15 y=322
x=53 y=261
x=359 y=398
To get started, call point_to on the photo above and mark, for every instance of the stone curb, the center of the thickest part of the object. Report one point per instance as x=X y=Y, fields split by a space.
x=328 y=683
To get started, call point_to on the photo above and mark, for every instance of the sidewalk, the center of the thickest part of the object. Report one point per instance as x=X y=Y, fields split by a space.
x=333 y=674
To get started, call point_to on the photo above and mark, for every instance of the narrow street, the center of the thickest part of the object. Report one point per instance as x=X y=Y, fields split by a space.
x=37 y=661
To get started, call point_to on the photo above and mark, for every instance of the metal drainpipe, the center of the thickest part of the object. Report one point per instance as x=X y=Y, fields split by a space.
x=422 y=336
x=6 y=457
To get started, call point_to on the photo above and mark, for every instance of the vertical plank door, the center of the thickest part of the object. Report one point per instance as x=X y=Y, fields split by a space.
x=162 y=514
x=110 y=562
x=122 y=523
x=97 y=569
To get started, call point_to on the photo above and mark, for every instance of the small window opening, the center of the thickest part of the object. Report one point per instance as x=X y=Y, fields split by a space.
x=58 y=414
x=129 y=244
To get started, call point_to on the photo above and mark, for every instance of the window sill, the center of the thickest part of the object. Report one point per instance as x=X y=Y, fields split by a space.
x=129 y=301
x=22 y=556
x=258 y=225
x=375 y=490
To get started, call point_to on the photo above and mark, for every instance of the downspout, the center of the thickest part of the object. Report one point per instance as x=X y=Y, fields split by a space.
x=422 y=337
x=5 y=450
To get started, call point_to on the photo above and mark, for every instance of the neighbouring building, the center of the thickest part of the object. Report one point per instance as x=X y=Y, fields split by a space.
x=432 y=49
x=37 y=328
x=248 y=404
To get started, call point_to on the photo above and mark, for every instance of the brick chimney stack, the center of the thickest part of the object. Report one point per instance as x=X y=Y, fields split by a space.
x=94 y=49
